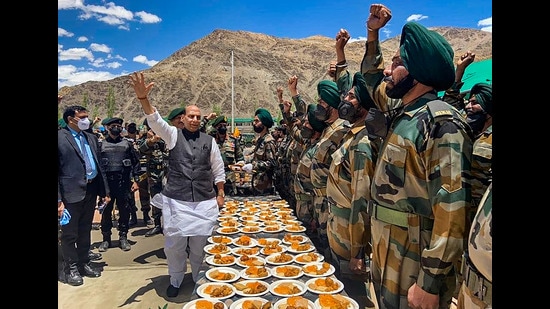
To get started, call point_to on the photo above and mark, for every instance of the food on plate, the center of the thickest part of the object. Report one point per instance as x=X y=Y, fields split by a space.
x=255 y=304
x=294 y=227
x=307 y=257
x=287 y=271
x=247 y=251
x=250 y=229
x=222 y=275
x=230 y=223
x=314 y=270
x=300 y=247
x=294 y=302
x=293 y=238
x=243 y=240
x=333 y=301
x=272 y=228
x=221 y=240
x=223 y=259
x=206 y=304
x=272 y=248
x=287 y=288
x=219 y=248
x=215 y=290
x=229 y=230
x=280 y=258
x=256 y=272
x=250 y=287
x=268 y=241
x=324 y=285
x=250 y=260
x=251 y=223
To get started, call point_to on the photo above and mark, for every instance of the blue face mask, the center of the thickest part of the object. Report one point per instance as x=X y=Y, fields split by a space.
x=65 y=217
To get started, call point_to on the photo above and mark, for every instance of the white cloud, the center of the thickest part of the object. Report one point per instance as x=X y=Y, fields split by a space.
x=82 y=39
x=486 y=24
x=75 y=54
x=148 y=18
x=62 y=32
x=69 y=4
x=416 y=17
x=100 y=48
x=69 y=75
x=144 y=60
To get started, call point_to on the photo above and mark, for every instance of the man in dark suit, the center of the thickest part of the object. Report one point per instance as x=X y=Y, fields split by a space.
x=80 y=181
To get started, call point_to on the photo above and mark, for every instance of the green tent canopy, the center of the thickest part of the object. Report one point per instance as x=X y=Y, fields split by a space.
x=477 y=72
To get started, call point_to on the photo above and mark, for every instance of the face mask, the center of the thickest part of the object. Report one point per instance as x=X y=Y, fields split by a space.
x=347 y=111
x=401 y=88
x=259 y=129
x=115 y=131
x=321 y=113
x=476 y=121
x=222 y=130
x=306 y=132
x=84 y=123
x=376 y=123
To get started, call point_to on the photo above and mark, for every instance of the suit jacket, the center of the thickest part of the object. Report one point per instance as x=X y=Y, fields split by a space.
x=71 y=174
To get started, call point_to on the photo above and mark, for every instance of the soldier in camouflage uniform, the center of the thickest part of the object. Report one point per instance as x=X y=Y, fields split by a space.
x=153 y=149
x=348 y=194
x=264 y=155
x=476 y=291
x=303 y=189
x=230 y=149
x=419 y=194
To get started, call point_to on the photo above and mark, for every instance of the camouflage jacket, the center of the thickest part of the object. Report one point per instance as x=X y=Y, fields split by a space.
x=230 y=149
x=480 y=241
x=302 y=178
x=155 y=157
x=265 y=154
x=482 y=159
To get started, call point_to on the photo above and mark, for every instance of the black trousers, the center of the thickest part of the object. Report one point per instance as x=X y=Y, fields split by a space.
x=76 y=235
x=120 y=190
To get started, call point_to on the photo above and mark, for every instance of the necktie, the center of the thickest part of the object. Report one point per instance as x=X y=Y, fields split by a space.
x=85 y=154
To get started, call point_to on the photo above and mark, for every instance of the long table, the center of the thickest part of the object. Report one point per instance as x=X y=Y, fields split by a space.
x=262 y=214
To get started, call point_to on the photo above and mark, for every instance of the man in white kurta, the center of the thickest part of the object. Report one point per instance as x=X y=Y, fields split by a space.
x=188 y=201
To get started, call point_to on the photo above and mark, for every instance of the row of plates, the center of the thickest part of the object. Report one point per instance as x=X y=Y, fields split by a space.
x=272 y=259
x=231 y=230
x=280 y=303
x=225 y=249
x=276 y=272
x=261 y=242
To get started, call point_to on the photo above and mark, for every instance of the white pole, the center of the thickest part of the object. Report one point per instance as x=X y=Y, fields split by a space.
x=232 y=97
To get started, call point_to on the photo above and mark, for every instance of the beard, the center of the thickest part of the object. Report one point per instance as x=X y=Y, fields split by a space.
x=259 y=128
x=401 y=88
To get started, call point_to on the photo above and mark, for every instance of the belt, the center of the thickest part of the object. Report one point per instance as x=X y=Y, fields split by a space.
x=90 y=180
x=320 y=192
x=481 y=287
x=338 y=211
x=399 y=218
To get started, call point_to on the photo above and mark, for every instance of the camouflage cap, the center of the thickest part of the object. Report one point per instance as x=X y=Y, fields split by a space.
x=176 y=112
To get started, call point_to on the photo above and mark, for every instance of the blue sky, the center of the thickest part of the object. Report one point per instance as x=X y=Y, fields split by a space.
x=101 y=40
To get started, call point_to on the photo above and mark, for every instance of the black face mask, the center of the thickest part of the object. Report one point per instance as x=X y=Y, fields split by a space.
x=321 y=113
x=306 y=132
x=476 y=121
x=347 y=111
x=401 y=88
x=259 y=129
x=376 y=123
x=222 y=130
x=115 y=131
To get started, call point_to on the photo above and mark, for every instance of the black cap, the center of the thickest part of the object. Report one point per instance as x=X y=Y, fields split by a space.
x=114 y=120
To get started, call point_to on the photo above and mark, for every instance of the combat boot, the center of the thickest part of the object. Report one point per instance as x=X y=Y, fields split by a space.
x=146 y=219
x=106 y=243
x=72 y=275
x=133 y=218
x=124 y=244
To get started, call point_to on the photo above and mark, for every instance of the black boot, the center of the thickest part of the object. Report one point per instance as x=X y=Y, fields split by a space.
x=72 y=275
x=124 y=244
x=106 y=243
x=133 y=218
x=146 y=219
x=88 y=271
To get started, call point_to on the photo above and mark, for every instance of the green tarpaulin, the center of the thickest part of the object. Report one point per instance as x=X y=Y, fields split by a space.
x=477 y=72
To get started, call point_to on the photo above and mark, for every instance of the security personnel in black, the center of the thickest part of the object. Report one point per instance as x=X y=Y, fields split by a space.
x=120 y=160
x=153 y=149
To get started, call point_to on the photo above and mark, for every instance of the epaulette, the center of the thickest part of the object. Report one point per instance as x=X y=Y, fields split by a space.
x=442 y=111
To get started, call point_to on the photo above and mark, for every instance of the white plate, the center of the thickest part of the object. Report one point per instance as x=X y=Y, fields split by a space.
x=290 y=222
x=245 y=217
x=227 y=230
x=256 y=258
x=295 y=228
x=269 y=251
x=209 y=274
x=311 y=282
x=253 y=242
x=310 y=248
x=285 y=216
x=208 y=249
x=270 y=259
x=201 y=290
x=210 y=260
x=269 y=240
x=294 y=237
x=239 y=302
x=282 y=302
x=241 y=293
x=319 y=265
x=273 y=228
x=226 y=240
x=268 y=217
x=252 y=223
x=300 y=285
x=319 y=258
x=250 y=229
x=275 y=274
x=228 y=212
x=191 y=304
x=352 y=303
x=239 y=251
x=226 y=218
x=246 y=276
x=234 y=223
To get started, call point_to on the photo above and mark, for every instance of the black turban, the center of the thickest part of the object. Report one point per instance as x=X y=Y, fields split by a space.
x=427 y=56
x=264 y=116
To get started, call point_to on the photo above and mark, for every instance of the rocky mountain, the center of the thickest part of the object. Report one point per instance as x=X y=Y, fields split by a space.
x=200 y=73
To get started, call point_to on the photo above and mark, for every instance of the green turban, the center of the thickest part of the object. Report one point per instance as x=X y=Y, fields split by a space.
x=317 y=125
x=328 y=92
x=265 y=117
x=104 y=121
x=176 y=112
x=427 y=56
x=484 y=96
x=61 y=123
x=219 y=120
x=361 y=92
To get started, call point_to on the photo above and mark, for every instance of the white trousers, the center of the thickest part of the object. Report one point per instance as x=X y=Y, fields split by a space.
x=176 y=256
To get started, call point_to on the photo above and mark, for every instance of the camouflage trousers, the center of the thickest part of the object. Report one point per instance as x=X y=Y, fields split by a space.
x=395 y=266
x=320 y=206
x=304 y=212
x=467 y=299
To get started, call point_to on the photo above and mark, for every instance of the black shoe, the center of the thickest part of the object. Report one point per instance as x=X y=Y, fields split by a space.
x=104 y=246
x=124 y=244
x=94 y=256
x=132 y=222
x=172 y=291
x=147 y=220
x=96 y=226
x=156 y=230
x=73 y=277
x=88 y=271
